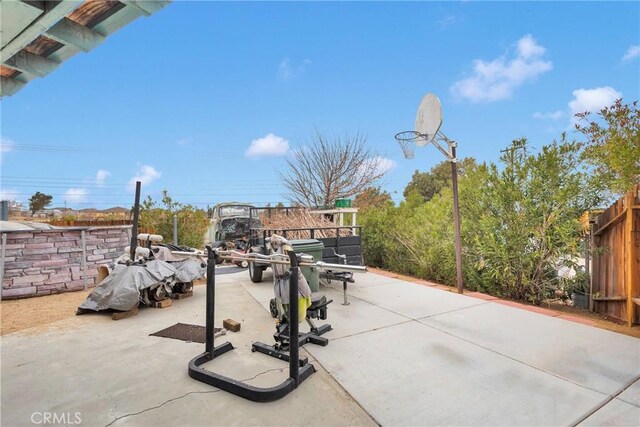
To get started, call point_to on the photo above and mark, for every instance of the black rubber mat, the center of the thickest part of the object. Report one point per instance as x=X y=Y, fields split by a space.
x=184 y=332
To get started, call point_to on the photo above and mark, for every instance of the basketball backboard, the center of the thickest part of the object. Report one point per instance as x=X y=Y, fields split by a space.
x=428 y=119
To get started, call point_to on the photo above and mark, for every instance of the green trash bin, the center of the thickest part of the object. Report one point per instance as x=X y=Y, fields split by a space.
x=314 y=248
x=343 y=203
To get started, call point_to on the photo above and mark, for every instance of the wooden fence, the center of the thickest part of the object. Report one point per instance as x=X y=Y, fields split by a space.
x=615 y=276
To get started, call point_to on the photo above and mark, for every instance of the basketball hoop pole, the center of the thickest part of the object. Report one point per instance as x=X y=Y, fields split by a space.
x=427 y=130
x=456 y=213
x=451 y=156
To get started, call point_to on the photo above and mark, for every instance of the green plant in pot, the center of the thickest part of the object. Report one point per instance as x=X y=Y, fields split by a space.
x=577 y=288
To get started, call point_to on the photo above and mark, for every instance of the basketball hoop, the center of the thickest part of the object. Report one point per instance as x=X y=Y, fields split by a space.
x=408 y=141
x=427 y=130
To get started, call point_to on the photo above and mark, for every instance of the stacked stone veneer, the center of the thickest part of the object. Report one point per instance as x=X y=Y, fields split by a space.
x=43 y=262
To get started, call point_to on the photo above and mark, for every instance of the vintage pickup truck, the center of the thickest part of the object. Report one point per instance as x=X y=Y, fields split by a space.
x=230 y=225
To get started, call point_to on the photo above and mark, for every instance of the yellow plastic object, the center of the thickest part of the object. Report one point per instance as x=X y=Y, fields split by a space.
x=303 y=304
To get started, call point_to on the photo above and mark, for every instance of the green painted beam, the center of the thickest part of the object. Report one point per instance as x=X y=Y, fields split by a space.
x=136 y=6
x=10 y=86
x=123 y=18
x=37 y=27
x=68 y=32
x=14 y=17
x=146 y=7
x=27 y=62
x=54 y=24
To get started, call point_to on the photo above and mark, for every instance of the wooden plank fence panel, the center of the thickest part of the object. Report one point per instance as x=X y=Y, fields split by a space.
x=616 y=261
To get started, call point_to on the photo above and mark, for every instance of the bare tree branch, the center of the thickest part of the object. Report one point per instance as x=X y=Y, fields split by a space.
x=322 y=170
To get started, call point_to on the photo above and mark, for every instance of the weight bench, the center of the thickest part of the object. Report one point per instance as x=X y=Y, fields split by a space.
x=317 y=310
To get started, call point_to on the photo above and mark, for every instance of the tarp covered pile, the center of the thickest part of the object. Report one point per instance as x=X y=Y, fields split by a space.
x=157 y=273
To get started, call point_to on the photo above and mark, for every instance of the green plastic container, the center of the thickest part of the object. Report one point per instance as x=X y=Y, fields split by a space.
x=343 y=203
x=314 y=248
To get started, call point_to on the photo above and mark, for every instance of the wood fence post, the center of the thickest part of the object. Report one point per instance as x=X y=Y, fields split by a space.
x=629 y=258
x=632 y=251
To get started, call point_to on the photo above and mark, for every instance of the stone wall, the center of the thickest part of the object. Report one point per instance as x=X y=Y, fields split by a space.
x=43 y=262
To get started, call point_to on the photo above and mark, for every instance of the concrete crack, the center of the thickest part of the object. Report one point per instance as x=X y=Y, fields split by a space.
x=161 y=405
x=187 y=394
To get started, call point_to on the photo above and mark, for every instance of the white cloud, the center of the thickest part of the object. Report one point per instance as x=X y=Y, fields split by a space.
x=6 y=145
x=528 y=48
x=381 y=165
x=184 y=141
x=146 y=175
x=270 y=145
x=101 y=176
x=497 y=79
x=556 y=115
x=288 y=70
x=75 y=195
x=632 y=52
x=592 y=100
x=9 y=194
x=446 y=22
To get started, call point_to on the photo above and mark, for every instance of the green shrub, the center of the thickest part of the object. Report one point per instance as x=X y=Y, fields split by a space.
x=519 y=224
x=192 y=222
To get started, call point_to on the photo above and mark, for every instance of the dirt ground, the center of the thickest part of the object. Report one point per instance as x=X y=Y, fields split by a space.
x=19 y=314
x=601 y=322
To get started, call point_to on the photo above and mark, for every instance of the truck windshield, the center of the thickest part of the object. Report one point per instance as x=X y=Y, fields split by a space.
x=234 y=211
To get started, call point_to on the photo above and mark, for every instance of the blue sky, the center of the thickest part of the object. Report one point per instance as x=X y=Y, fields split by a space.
x=191 y=98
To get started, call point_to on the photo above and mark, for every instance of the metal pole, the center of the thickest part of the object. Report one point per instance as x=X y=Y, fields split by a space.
x=84 y=258
x=4 y=210
x=175 y=230
x=3 y=252
x=587 y=264
x=211 y=301
x=354 y=222
x=344 y=286
x=134 y=230
x=293 y=319
x=456 y=215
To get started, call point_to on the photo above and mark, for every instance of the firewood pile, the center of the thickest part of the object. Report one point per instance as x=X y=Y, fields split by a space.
x=301 y=218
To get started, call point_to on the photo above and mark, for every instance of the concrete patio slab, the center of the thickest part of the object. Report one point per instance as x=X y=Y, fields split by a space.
x=316 y=402
x=632 y=394
x=411 y=374
x=413 y=301
x=466 y=361
x=357 y=317
x=615 y=414
x=366 y=280
x=594 y=358
x=112 y=370
x=261 y=292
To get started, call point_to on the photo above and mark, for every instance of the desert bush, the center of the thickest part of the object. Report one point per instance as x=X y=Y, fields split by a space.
x=192 y=222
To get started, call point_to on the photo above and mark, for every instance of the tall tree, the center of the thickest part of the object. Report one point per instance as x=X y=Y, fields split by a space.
x=39 y=201
x=322 y=170
x=613 y=145
x=430 y=183
x=372 y=197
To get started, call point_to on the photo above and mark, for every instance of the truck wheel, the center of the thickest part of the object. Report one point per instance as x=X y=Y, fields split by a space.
x=255 y=272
